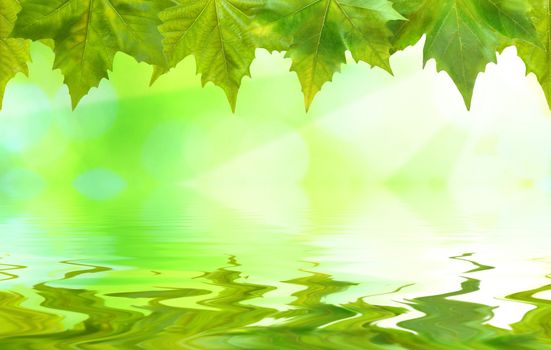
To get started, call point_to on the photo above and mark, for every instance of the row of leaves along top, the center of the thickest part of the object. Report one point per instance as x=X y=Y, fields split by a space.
x=463 y=36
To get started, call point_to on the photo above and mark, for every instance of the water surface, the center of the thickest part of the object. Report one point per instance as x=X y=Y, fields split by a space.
x=184 y=271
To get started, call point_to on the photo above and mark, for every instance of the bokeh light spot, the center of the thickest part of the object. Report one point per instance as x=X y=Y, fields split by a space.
x=100 y=184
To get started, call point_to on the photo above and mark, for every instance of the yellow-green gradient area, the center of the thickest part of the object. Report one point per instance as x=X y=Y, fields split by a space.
x=388 y=217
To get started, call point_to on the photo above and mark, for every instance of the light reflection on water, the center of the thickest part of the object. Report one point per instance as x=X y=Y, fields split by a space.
x=195 y=275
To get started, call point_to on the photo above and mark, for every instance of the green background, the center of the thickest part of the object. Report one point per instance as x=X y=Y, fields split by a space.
x=379 y=184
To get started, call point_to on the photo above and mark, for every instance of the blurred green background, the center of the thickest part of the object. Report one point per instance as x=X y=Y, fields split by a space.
x=381 y=182
x=366 y=130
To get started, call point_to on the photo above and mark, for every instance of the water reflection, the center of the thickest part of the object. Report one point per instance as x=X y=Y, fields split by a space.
x=204 y=273
x=537 y=322
x=225 y=315
x=450 y=322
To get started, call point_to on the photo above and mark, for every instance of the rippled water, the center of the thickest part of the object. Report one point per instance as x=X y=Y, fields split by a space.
x=195 y=274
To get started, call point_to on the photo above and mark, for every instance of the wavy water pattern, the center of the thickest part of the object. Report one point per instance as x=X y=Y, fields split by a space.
x=225 y=316
x=222 y=278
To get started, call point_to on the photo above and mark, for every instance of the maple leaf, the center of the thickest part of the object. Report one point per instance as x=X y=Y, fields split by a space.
x=88 y=33
x=462 y=35
x=317 y=34
x=538 y=57
x=14 y=53
x=218 y=34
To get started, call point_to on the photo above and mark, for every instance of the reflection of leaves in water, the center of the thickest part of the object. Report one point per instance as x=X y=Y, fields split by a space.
x=16 y=320
x=102 y=323
x=313 y=324
x=449 y=321
x=310 y=311
x=537 y=322
x=172 y=327
x=226 y=317
x=478 y=266
x=9 y=267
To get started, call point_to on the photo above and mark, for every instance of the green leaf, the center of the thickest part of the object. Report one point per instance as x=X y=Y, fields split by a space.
x=319 y=32
x=462 y=35
x=511 y=18
x=14 y=53
x=538 y=57
x=218 y=34
x=88 y=33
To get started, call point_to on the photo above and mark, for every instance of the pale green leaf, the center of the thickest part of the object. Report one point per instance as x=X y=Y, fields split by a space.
x=538 y=57
x=14 y=53
x=319 y=32
x=217 y=33
x=462 y=35
x=88 y=33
